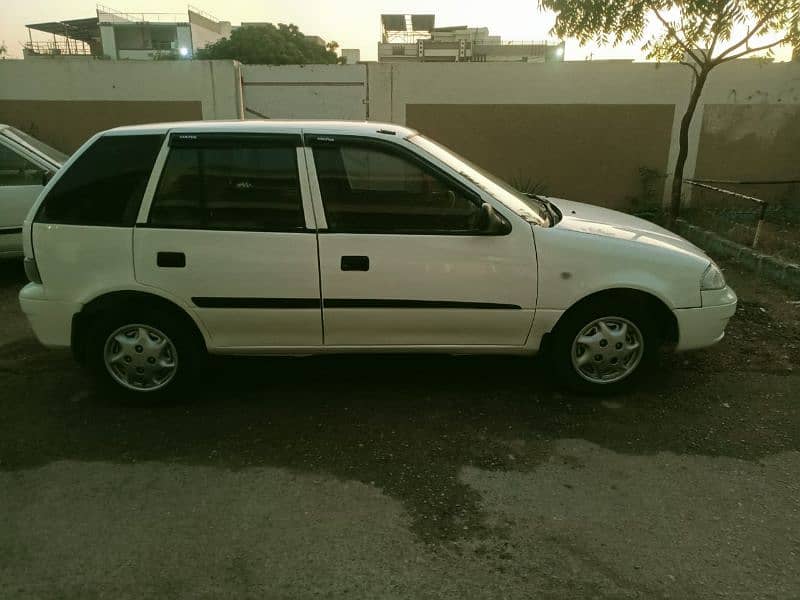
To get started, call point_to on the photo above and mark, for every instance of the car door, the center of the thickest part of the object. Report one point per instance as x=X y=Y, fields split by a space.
x=21 y=180
x=402 y=259
x=227 y=232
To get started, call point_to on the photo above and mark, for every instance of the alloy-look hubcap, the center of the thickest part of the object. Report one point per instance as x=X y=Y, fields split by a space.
x=140 y=357
x=607 y=350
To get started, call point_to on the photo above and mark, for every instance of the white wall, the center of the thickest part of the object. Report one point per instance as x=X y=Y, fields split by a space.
x=381 y=92
x=214 y=83
x=185 y=39
x=108 y=40
x=202 y=36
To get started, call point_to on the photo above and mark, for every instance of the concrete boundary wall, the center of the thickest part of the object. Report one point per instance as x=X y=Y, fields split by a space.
x=562 y=122
x=461 y=104
x=66 y=100
x=395 y=87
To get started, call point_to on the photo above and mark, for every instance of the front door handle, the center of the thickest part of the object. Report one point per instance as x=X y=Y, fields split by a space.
x=175 y=260
x=355 y=263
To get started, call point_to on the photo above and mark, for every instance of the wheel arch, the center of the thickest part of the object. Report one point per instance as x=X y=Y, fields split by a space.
x=115 y=300
x=656 y=306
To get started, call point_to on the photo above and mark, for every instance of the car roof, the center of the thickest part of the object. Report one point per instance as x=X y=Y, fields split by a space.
x=360 y=128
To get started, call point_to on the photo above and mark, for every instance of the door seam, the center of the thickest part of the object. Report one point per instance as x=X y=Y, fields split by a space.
x=316 y=239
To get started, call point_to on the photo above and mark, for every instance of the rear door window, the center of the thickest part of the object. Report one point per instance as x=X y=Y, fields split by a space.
x=238 y=183
x=105 y=185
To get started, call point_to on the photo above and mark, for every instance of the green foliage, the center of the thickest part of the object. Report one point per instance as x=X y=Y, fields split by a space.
x=703 y=29
x=3 y=50
x=270 y=45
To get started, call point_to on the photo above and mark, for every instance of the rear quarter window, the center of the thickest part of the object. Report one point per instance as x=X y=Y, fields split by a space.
x=105 y=184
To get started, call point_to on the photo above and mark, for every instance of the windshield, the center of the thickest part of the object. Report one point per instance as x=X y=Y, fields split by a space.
x=23 y=138
x=531 y=209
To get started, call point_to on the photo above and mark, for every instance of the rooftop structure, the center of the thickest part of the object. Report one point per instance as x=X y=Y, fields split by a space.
x=415 y=38
x=122 y=35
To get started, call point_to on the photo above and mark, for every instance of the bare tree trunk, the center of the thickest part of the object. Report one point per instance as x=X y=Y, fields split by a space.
x=683 y=146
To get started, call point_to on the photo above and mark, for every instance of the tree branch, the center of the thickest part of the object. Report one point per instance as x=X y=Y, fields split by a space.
x=752 y=50
x=692 y=67
x=718 y=29
x=674 y=34
x=746 y=39
x=700 y=31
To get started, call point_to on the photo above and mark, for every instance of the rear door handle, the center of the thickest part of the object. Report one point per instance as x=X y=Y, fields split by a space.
x=174 y=260
x=355 y=263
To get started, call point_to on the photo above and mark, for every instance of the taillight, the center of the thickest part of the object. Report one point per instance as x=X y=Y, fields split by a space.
x=32 y=270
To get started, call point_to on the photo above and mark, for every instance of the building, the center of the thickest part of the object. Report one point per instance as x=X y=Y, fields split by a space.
x=415 y=38
x=351 y=56
x=128 y=36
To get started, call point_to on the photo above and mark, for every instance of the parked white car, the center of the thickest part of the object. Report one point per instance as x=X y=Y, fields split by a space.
x=25 y=166
x=157 y=243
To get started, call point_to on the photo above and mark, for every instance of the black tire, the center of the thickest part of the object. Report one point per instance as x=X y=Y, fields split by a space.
x=580 y=317
x=188 y=350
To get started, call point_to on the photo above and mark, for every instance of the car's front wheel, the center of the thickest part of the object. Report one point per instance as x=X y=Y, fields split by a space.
x=146 y=351
x=603 y=347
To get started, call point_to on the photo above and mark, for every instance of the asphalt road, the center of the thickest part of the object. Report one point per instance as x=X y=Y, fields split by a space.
x=407 y=477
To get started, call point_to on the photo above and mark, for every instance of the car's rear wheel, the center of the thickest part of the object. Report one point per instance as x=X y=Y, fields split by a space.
x=604 y=347
x=140 y=357
x=144 y=351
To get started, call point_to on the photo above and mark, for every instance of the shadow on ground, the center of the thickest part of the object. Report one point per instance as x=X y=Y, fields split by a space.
x=405 y=424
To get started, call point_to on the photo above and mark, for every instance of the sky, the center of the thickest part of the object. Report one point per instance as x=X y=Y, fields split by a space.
x=352 y=23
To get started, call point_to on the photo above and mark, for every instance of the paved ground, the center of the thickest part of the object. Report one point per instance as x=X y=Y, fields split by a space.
x=408 y=477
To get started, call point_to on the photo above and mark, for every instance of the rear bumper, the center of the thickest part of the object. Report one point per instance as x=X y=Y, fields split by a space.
x=51 y=320
x=705 y=326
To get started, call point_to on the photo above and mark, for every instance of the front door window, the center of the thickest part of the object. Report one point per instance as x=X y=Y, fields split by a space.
x=371 y=189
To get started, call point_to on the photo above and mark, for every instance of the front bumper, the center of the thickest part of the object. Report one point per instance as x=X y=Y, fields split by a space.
x=51 y=320
x=705 y=326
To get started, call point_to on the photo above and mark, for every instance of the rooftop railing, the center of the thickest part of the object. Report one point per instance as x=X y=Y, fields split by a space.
x=106 y=14
x=58 y=48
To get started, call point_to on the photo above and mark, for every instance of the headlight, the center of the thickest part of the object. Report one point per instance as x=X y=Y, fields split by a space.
x=713 y=279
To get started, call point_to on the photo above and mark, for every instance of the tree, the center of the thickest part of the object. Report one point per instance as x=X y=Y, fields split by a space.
x=700 y=34
x=269 y=45
x=3 y=50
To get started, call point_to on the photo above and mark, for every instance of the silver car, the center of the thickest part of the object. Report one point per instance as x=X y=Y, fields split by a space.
x=25 y=166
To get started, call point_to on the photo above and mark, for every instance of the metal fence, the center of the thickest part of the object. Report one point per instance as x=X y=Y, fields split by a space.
x=764 y=215
x=108 y=15
x=58 y=48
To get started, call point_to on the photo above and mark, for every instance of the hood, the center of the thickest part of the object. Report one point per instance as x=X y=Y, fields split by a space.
x=595 y=220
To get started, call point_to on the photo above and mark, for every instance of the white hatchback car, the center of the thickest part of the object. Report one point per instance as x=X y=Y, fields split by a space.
x=25 y=166
x=157 y=243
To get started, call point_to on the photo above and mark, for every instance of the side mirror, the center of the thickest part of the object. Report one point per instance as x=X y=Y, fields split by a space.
x=489 y=221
